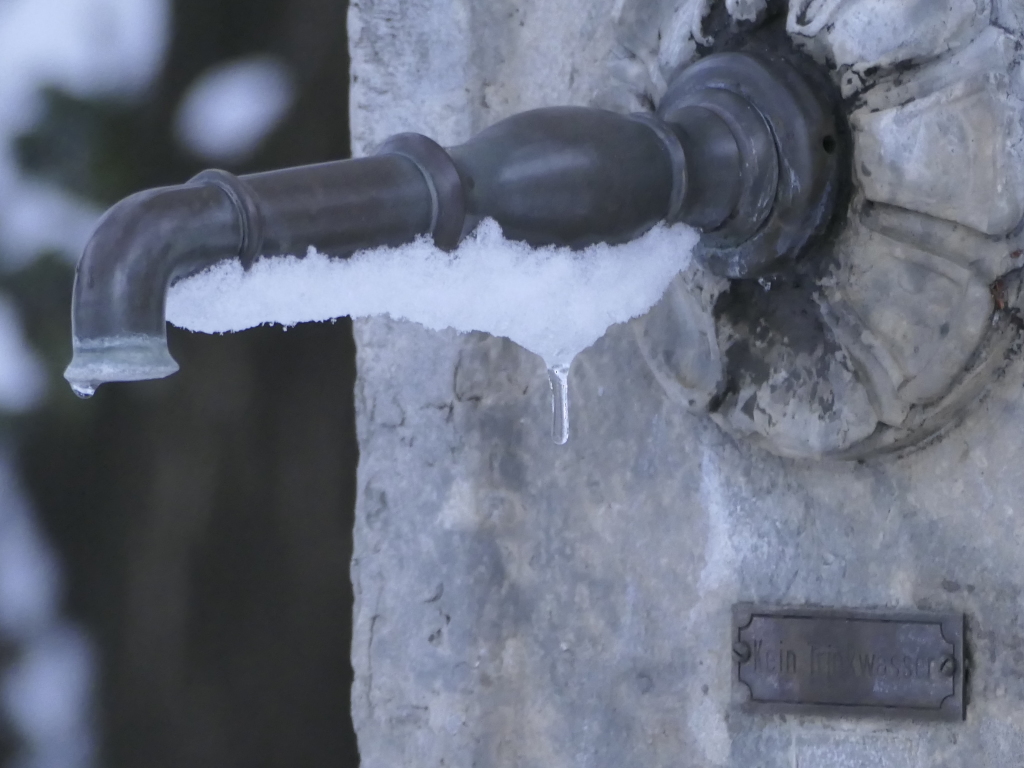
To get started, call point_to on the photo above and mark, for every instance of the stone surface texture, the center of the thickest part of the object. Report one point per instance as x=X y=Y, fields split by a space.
x=524 y=604
x=947 y=141
x=880 y=34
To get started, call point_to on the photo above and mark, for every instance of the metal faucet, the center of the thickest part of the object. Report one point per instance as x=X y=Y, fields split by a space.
x=743 y=147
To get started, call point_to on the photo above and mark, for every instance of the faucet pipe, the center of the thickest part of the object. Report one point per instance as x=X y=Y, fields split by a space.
x=568 y=176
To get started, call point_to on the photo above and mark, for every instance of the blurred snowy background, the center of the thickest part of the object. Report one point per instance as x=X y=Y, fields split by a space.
x=174 y=554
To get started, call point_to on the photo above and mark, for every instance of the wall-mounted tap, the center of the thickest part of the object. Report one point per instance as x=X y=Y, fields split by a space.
x=742 y=147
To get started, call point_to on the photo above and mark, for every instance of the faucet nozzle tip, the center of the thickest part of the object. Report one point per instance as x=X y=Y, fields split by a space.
x=131 y=358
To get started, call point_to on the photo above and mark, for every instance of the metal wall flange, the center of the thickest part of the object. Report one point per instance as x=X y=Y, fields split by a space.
x=789 y=151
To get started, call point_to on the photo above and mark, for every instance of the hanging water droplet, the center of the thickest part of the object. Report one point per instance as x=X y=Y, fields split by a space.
x=558 y=375
x=84 y=391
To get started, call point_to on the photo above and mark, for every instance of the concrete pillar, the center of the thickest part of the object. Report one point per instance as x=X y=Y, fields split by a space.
x=520 y=603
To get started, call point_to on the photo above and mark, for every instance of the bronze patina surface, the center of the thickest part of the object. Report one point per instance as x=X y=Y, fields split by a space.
x=842 y=662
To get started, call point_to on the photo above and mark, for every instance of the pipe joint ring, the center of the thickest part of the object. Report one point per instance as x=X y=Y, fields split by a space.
x=246 y=205
x=677 y=157
x=447 y=197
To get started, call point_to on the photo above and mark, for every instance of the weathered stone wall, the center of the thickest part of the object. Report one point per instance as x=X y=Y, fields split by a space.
x=524 y=604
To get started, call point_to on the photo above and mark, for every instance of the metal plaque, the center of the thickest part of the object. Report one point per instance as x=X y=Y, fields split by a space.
x=835 y=662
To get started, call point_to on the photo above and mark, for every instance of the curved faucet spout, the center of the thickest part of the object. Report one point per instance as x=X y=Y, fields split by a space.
x=141 y=245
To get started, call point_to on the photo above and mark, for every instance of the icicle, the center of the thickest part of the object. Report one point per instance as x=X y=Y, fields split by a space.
x=559 y=377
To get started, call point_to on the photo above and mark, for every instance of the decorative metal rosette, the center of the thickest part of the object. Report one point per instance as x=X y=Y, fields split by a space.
x=899 y=318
